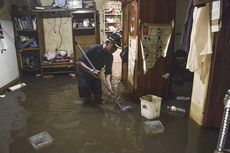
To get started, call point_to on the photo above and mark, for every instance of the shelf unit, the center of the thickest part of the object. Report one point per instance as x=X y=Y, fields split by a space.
x=112 y=17
x=28 y=25
x=53 y=68
x=85 y=28
x=29 y=42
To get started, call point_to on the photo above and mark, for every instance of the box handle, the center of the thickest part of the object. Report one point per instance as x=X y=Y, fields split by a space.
x=144 y=106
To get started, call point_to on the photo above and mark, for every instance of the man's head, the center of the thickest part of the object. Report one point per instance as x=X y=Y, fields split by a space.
x=113 y=42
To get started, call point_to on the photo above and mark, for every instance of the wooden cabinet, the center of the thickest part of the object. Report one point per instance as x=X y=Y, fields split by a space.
x=85 y=28
x=136 y=14
x=28 y=40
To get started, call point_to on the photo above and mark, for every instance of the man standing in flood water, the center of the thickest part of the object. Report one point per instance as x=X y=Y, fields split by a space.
x=89 y=82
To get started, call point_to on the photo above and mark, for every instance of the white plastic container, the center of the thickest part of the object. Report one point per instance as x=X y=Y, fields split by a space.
x=75 y=4
x=150 y=106
x=46 y=2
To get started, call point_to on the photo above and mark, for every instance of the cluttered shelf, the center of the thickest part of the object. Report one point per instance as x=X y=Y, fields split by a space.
x=53 y=65
x=28 y=49
x=112 y=14
x=112 y=22
x=59 y=64
x=55 y=68
x=84 y=32
x=86 y=28
x=26 y=30
x=109 y=31
x=30 y=69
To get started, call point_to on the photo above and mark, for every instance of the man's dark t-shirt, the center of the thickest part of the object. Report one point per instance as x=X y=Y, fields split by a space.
x=99 y=59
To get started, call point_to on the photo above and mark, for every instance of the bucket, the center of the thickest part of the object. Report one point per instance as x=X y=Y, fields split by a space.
x=150 y=106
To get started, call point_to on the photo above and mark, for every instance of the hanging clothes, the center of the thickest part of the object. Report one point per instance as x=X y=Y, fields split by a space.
x=200 y=44
x=187 y=27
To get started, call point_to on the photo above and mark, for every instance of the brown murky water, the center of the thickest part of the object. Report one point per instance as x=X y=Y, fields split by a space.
x=53 y=105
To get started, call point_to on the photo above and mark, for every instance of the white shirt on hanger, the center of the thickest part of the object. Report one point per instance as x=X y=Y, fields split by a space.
x=201 y=41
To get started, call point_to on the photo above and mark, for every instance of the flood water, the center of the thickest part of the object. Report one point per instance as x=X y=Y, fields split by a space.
x=52 y=105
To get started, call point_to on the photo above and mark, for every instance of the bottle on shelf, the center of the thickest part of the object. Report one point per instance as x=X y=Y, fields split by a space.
x=176 y=109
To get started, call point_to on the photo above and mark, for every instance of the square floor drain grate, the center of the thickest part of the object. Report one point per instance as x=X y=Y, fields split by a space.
x=40 y=140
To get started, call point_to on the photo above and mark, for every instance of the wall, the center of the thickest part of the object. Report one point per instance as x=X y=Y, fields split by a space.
x=8 y=60
x=55 y=39
x=5 y=11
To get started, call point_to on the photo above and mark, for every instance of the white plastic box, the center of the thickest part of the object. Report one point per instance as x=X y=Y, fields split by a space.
x=41 y=140
x=75 y=4
x=153 y=127
x=150 y=106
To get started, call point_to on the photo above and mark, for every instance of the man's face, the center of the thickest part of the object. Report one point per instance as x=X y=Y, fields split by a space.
x=111 y=47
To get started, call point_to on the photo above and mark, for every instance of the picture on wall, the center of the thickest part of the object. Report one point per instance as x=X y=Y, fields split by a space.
x=155 y=39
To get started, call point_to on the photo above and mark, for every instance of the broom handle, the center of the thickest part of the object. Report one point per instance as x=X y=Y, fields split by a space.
x=91 y=64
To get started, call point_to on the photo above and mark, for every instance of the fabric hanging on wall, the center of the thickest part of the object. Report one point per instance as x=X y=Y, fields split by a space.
x=187 y=27
x=200 y=2
x=201 y=42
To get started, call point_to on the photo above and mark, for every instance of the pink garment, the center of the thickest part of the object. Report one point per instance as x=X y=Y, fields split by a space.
x=201 y=42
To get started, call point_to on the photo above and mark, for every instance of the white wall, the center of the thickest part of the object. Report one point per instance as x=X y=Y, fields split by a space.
x=8 y=60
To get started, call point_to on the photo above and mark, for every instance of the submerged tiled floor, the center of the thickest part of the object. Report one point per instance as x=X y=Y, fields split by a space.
x=52 y=105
